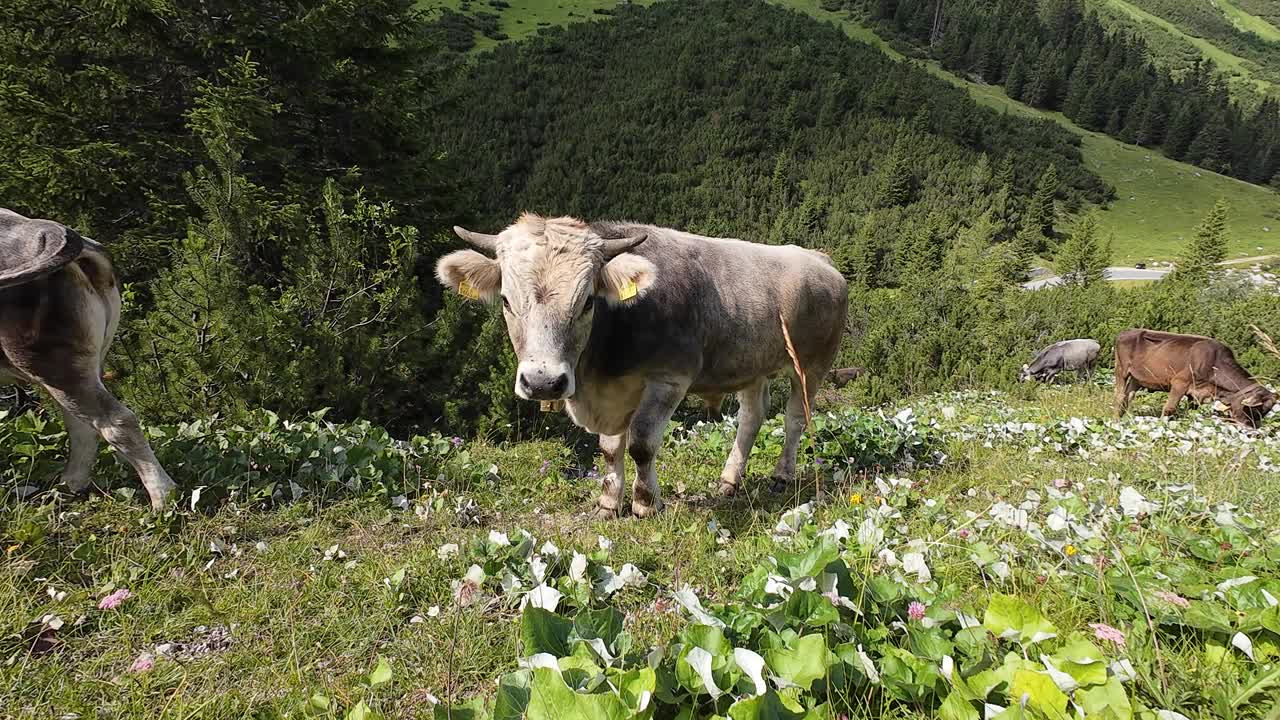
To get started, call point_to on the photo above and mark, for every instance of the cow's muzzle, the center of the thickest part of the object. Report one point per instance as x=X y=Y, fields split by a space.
x=542 y=382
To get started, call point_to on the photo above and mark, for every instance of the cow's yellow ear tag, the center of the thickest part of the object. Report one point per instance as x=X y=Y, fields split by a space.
x=552 y=405
x=628 y=291
x=467 y=290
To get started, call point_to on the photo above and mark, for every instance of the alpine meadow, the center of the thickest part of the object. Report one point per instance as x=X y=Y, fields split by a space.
x=671 y=360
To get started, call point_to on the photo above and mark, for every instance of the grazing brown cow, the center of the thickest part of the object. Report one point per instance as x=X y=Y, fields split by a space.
x=843 y=376
x=59 y=306
x=1191 y=365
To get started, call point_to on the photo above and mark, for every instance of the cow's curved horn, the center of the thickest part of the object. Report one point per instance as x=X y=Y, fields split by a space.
x=480 y=240
x=616 y=246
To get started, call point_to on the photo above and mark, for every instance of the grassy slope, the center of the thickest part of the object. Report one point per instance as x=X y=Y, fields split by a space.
x=1234 y=66
x=1249 y=23
x=1159 y=201
x=302 y=623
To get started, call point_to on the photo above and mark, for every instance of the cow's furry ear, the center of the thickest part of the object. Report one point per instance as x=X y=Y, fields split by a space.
x=625 y=278
x=471 y=274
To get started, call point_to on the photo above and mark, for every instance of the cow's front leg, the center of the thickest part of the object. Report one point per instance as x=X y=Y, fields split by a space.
x=1176 y=391
x=753 y=403
x=609 y=506
x=657 y=403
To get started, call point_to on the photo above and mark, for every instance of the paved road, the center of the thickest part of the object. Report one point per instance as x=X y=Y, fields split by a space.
x=1113 y=273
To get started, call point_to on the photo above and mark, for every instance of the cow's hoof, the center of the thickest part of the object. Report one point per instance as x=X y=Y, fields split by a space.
x=780 y=484
x=77 y=486
x=728 y=489
x=603 y=513
x=646 y=511
x=161 y=496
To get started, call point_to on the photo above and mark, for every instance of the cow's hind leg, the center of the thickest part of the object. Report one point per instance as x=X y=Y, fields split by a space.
x=83 y=441
x=753 y=403
x=93 y=404
x=1124 y=391
x=784 y=472
x=609 y=506
x=648 y=425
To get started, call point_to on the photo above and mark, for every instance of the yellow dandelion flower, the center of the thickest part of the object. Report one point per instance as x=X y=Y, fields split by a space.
x=855 y=499
x=1070 y=550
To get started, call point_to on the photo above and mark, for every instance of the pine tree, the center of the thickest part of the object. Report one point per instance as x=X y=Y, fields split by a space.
x=1004 y=172
x=1182 y=130
x=1208 y=248
x=1041 y=213
x=895 y=181
x=1016 y=80
x=1212 y=146
x=1083 y=260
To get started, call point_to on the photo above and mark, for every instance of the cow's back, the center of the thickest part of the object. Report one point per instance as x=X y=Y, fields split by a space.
x=713 y=313
x=1156 y=359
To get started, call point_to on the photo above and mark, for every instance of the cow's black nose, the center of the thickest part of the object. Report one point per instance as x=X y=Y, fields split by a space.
x=543 y=386
x=558 y=385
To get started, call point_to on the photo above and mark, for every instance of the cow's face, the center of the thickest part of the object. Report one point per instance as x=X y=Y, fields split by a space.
x=548 y=274
x=1251 y=405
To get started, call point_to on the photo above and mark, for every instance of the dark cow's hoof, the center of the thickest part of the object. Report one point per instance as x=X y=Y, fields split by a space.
x=780 y=484
x=603 y=513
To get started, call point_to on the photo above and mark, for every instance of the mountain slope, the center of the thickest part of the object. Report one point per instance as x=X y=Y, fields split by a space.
x=1158 y=200
x=1240 y=45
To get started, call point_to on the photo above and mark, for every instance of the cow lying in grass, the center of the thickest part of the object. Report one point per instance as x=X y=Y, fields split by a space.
x=1200 y=367
x=59 y=306
x=622 y=321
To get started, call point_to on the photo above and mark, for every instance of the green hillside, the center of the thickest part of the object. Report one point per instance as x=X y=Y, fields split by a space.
x=1158 y=201
x=1182 y=33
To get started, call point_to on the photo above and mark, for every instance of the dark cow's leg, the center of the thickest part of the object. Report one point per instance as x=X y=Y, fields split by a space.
x=609 y=505
x=657 y=404
x=93 y=404
x=1176 y=391
x=753 y=403
x=83 y=441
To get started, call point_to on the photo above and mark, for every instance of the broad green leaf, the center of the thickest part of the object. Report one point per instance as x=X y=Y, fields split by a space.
x=696 y=671
x=812 y=562
x=381 y=674
x=544 y=632
x=551 y=699
x=1080 y=659
x=1105 y=702
x=636 y=687
x=513 y=696
x=1041 y=693
x=803 y=662
x=883 y=590
x=362 y=712
x=603 y=624
x=765 y=707
x=955 y=707
x=1013 y=618
x=708 y=638
x=810 y=609
x=1207 y=616
x=929 y=642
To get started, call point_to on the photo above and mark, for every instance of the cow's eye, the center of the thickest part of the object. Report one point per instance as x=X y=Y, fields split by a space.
x=506 y=304
x=586 y=306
